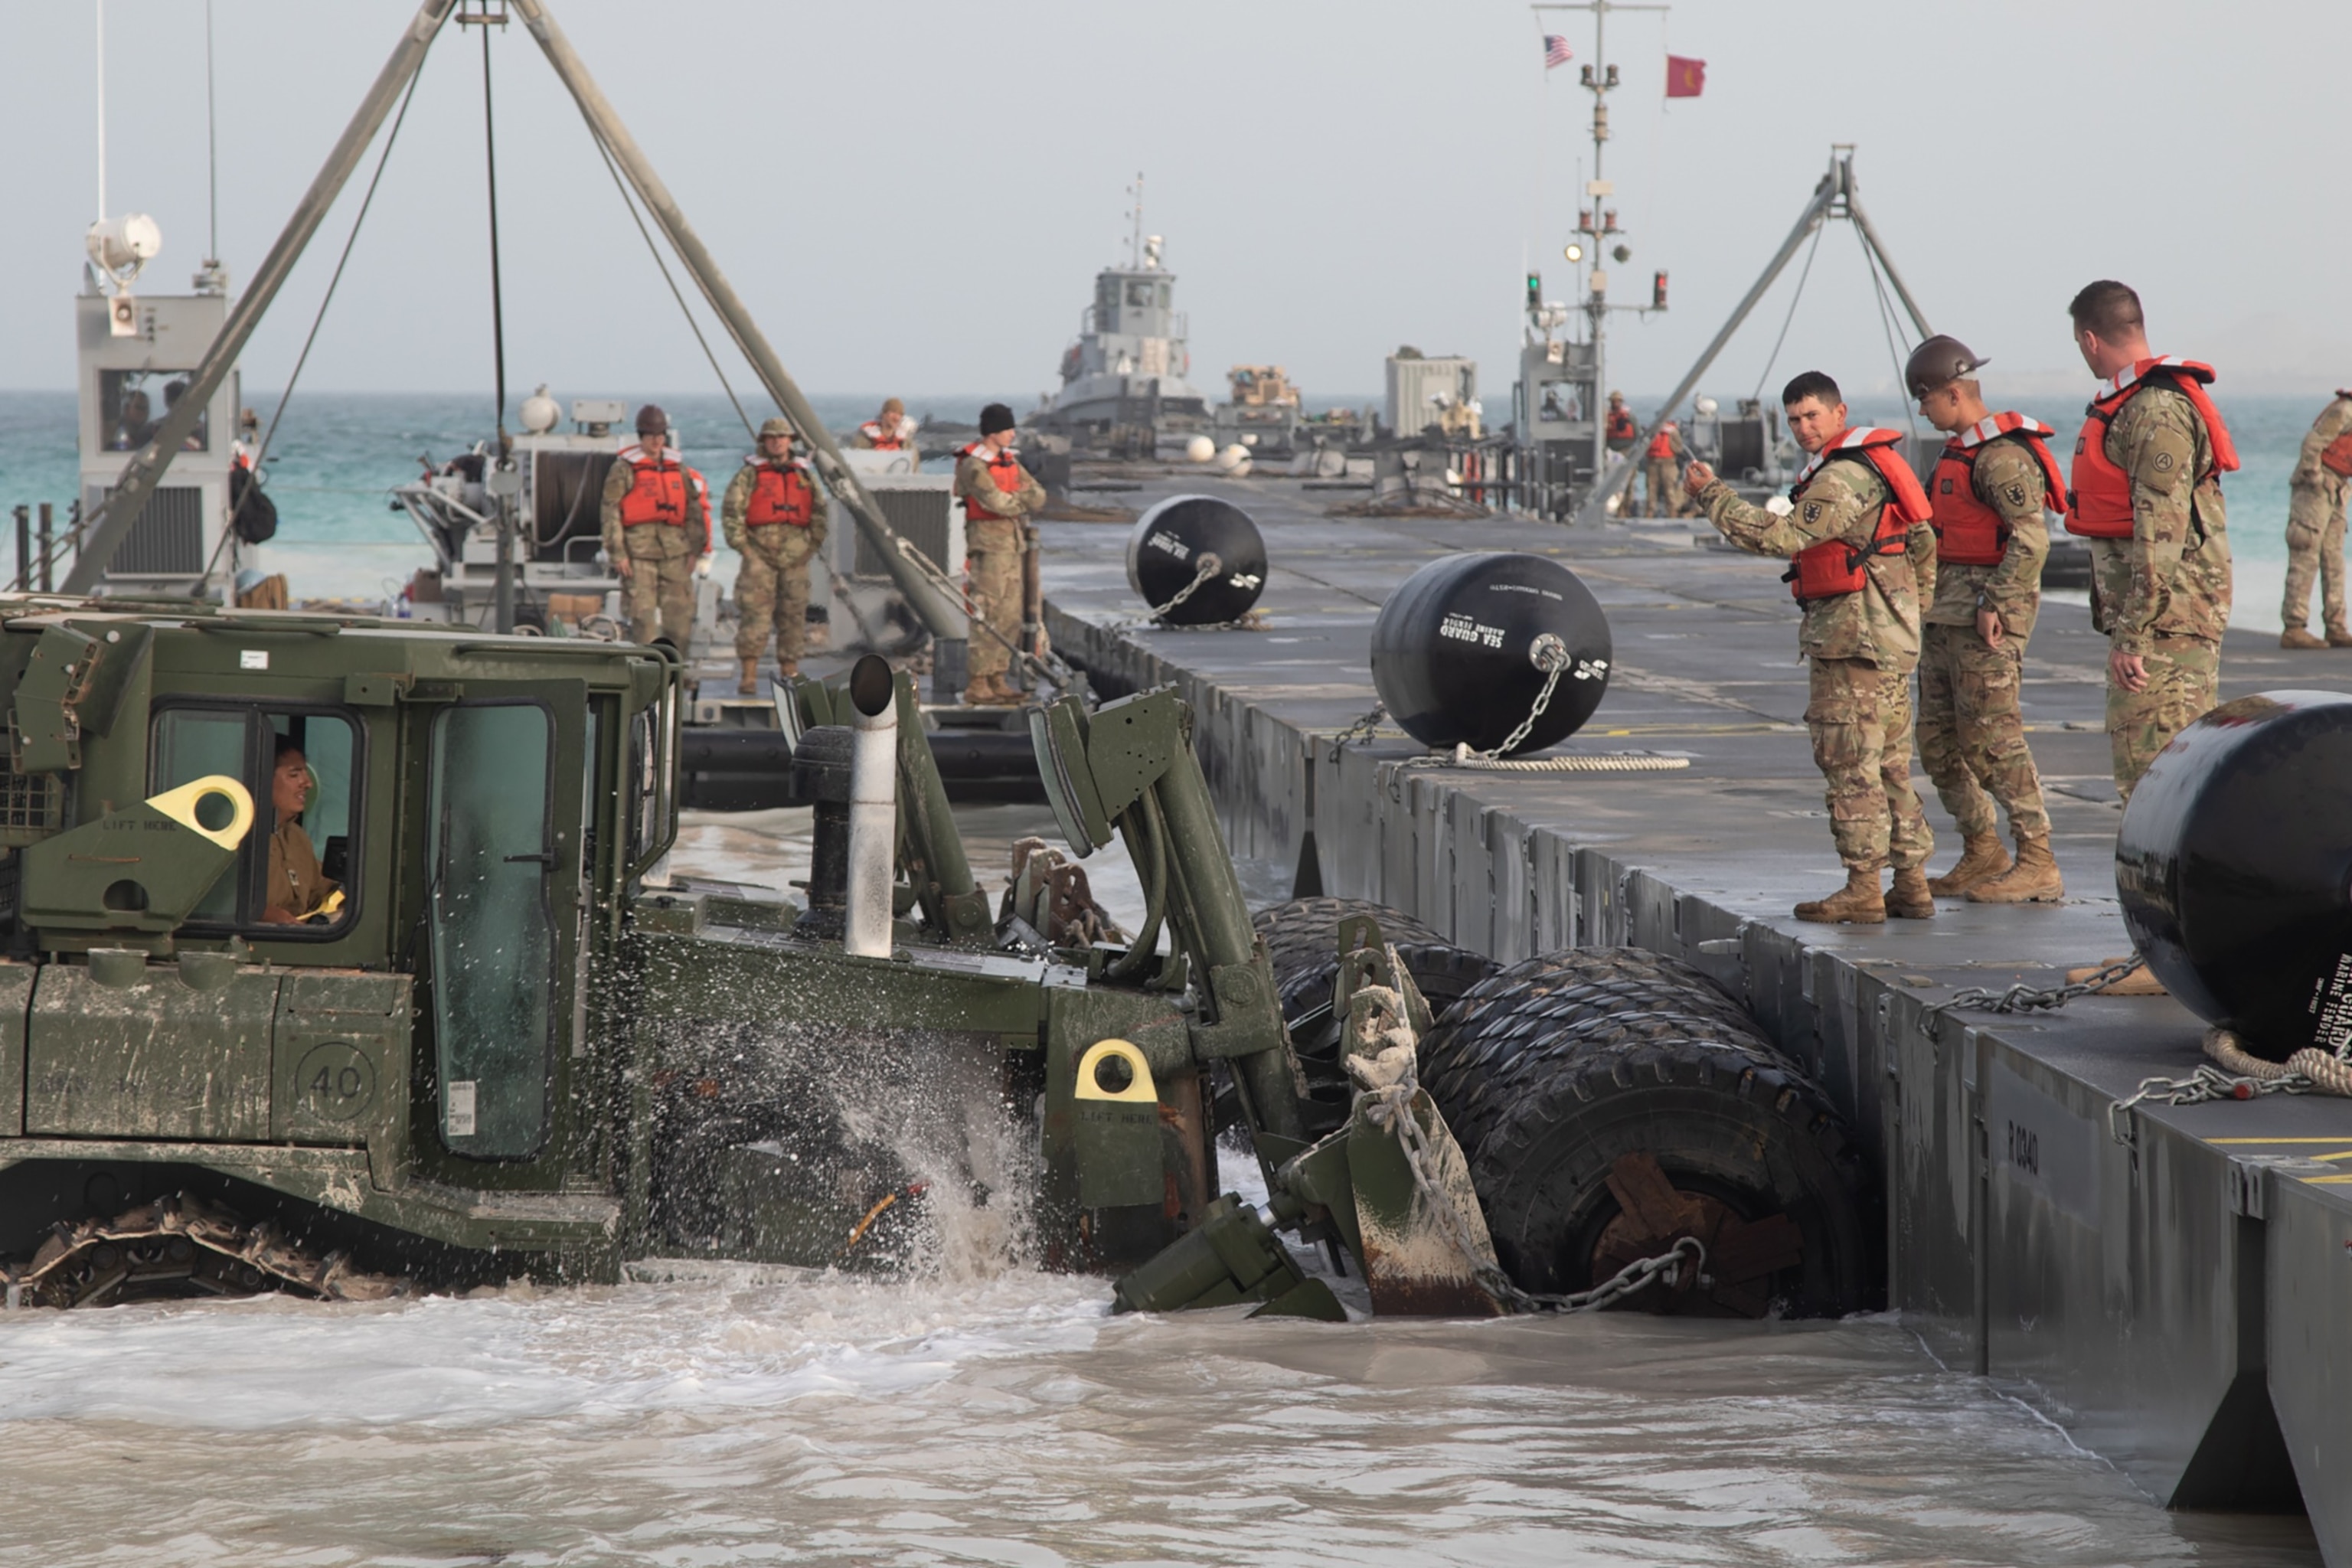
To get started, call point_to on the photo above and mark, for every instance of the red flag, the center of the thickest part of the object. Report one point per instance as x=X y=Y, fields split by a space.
x=1684 y=77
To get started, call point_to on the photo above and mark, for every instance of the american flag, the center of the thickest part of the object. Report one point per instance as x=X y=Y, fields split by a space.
x=1555 y=51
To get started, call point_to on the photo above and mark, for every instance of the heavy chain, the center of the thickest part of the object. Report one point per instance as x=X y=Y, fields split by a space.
x=2024 y=998
x=1550 y=655
x=1207 y=567
x=1543 y=701
x=1391 y=1108
x=1363 y=729
x=2234 y=1074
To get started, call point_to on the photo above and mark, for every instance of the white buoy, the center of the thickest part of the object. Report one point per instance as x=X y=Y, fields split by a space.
x=1200 y=449
x=540 y=412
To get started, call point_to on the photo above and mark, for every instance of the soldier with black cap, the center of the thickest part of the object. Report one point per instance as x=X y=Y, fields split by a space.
x=773 y=517
x=656 y=519
x=1988 y=490
x=999 y=495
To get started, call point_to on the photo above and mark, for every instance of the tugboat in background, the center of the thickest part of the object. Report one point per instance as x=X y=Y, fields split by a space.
x=1123 y=387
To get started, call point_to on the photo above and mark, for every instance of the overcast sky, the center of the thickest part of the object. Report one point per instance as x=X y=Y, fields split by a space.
x=914 y=196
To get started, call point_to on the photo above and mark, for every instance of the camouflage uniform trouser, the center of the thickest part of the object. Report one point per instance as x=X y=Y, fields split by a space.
x=1971 y=737
x=2184 y=681
x=1860 y=718
x=659 y=590
x=772 y=590
x=992 y=579
x=1666 y=485
x=2314 y=547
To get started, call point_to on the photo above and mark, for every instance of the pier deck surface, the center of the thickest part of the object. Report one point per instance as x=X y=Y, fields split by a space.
x=2145 y=1292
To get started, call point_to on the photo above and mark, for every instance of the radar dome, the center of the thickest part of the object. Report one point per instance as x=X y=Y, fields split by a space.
x=1200 y=449
x=1235 y=460
x=121 y=246
x=1706 y=407
x=540 y=412
x=1462 y=649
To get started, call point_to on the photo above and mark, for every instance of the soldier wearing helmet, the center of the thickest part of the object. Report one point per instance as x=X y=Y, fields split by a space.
x=1988 y=490
x=656 y=522
x=774 y=518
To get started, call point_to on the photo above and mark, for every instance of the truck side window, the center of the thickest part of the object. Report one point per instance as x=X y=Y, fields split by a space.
x=294 y=878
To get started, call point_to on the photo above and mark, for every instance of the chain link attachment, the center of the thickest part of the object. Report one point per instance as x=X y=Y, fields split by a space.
x=1206 y=567
x=1363 y=729
x=2023 y=998
x=1391 y=1108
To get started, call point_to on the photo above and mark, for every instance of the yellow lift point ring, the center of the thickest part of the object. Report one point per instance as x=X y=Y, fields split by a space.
x=179 y=805
x=1139 y=1085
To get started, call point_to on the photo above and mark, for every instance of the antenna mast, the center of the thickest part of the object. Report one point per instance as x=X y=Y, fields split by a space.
x=1596 y=219
x=1135 y=241
x=102 y=107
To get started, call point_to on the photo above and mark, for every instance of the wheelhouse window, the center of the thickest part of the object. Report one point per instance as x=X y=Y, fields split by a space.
x=133 y=403
x=294 y=875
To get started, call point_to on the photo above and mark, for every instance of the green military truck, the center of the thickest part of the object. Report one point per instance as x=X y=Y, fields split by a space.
x=335 y=955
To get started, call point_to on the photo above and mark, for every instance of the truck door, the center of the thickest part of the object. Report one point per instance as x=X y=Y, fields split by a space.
x=502 y=894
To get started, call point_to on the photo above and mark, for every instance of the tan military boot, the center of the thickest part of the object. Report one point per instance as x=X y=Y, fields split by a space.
x=786 y=668
x=1859 y=902
x=2338 y=636
x=2034 y=878
x=748 y=685
x=2295 y=636
x=1981 y=859
x=1909 y=898
x=980 y=691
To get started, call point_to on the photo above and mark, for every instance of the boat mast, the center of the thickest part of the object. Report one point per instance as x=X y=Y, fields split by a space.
x=110 y=521
x=1595 y=218
x=1135 y=240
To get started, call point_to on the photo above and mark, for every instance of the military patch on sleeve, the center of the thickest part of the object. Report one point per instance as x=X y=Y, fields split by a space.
x=1813 y=512
x=2015 y=494
x=2163 y=462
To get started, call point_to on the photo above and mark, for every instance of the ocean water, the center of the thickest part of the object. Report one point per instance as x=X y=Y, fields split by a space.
x=337 y=455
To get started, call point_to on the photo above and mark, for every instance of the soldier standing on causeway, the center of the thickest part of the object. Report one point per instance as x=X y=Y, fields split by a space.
x=1988 y=490
x=1854 y=527
x=656 y=519
x=774 y=519
x=998 y=495
x=2315 y=528
x=2146 y=492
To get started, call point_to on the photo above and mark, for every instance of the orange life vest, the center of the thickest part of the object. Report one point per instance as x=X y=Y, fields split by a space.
x=1968 y=531
x=657 y=493
x=1833 y=567
x=2100 y=501
x=1662 y=445
x=872 y=431
x=1004 y=468
x=1621 y=425
x=782 y=493
x=2337 y=456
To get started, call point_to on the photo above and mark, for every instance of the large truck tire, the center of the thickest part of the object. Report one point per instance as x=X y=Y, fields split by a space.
x=1573 y=989
x=1609 y=1107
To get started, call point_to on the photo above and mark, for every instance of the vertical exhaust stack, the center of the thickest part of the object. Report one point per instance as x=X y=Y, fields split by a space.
x=872 y=807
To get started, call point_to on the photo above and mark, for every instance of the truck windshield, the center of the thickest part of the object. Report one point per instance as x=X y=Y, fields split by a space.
x=295 y=878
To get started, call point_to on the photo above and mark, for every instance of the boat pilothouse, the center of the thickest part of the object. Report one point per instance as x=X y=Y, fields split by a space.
x=557 y=485
x=1127 y=370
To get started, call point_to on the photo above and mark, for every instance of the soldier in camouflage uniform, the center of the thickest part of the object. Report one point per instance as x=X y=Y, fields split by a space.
x=774 y=518
x=1989 y=488
x=2315 y=528
x=998 y=496
x=656 y=525
x=2146 y=492
x=1846 y=517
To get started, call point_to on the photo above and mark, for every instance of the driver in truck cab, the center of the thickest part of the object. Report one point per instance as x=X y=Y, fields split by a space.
x=297 y=888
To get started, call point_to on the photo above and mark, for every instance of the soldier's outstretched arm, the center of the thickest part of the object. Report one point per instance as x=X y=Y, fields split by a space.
x=1831 y=509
